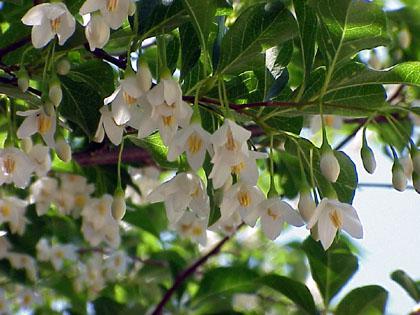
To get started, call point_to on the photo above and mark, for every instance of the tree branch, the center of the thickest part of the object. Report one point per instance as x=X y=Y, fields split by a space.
x=102 y=54
x=188 y=272
x=14 y=46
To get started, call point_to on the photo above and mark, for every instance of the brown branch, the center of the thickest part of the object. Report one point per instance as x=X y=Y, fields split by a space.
x=14 y=46
x=102 y=54
x=349 y=137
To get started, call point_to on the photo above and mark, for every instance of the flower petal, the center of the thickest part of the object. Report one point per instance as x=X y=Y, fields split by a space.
x=36 y=14
x=42 y=34
x=326 y=230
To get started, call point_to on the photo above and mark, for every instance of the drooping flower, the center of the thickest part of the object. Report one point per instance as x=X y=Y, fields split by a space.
x=116 y=265
x=37 y=120
x=192 y=226
x=97 y=31
x=242 y=198
x=24 y=261
x=12 y=211
x=107 y=125
x=227 y=225
x=193 y=140
x=60 y=253
x=40 y=156
x=43 y=250
x=274 y=212
x=15 y=167
x=332 y=215
x=48 y=20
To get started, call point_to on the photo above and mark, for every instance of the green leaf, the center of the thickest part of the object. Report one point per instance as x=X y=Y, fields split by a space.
x=255 y=30
x=348 y=26
x=278 y=57
x=151 y=218
x=84 y=90
x=368 y=300
x=158 y=17
x=307 y=25
x=407 y=283
x=157 y=149
x=355 y=74
x=225 y=281
x=294 y=290
x=106 y=306
x=190 y=48
x=330 y=269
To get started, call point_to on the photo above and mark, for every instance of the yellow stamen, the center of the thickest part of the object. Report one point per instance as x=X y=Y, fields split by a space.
x=244 y=198
x=9 y=165
x=336 y=219
x=55 y=24
x=80 y=200
x=230 y=144
x=59 y=254
x=228 y=228
x=128 y=99
x=5 y=211
x=168 y=120
x=102 y=209
x=112 y=5
x=196 y=192
x=329 y=120
x=236 y=169
x=117 y=261
x=194 y=143
x=44 y=124
x=185 y=228
x=27 y=299
x=271 y=214
x=196 y=231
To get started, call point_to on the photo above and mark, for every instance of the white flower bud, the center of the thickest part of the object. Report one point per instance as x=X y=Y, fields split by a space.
x=404 y=37
x=399 y=180
x=306 y=205
x=118 y=205
x=63 y=66
x=26 y=144
x=368 y=159
x=63 y=150
x=330 y=167
x=144 y=77
x=23 y=82
x=55 y=93
x=416 y=161
x=416 y=182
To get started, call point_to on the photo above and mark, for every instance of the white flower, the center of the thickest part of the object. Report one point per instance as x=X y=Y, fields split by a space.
x=38 y=121
x=194 y=227
x=245 y=169
x=124 y=99
x=329 y=165
x=107 y=125
x=12 y=210
x=116 y=264
x=97 y=211
x=242 y=198
x=40 y=156
x=227 y=225
x=185 y=190
x=146 y=178
x=43 y=250
x=23 y=261
x=274 y=212
x=48 y=20
x=59 y=253
x=114 y=12
x=332 y=215
x=28 y=298
x=169 y=111
x=108 y=233
x=330 y=121
x=15 y=167
x=194 y=140
x=230 y=147
x=118 y=205
x=96 y=31
x=306 y=205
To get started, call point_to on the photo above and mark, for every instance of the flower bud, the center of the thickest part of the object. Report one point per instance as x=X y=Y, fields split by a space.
x=415 y=157
x=330 y=167
x=404 y=37
x=368 y=159
x=399 y=180
x=306 y=205
x=416 y=181
x=55 y=93
x=26 y=144
x=63 y=66
x=23 y=80
x=144 y=77
x=49 y=108
x=118 y=204
x=63 y=150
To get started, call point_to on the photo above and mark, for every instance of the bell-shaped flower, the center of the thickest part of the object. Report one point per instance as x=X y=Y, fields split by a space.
x=48 y=20
x=40 y=156
x=227 y=225
x=193 y=140
x=15 y=167
x=332 y=215
x=28 y=299
x=242 y=198
x=12 y=210
x=24 y=261
x=97 y=30
x=60 y=253
x=185 y=190
x=114 y=12
x=37 y=120
x=329 y=165
x=107 y=125
x=108 y=233
x=97 y=211
x=192 y=226
x=116 y=265
x=274 y=212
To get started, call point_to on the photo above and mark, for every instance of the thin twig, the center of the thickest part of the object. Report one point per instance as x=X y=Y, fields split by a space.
x=14 y=46
x=380 y=185
x=349 y=137
x=188 y=272
x=102 y=54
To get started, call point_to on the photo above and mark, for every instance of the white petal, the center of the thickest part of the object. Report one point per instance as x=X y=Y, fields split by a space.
x=196 y=160
x=271 y=228
x=155 y=95
x=110 y=98
x=36 y=14
x=351 y=221
x=67 y=28
x=100 y=132
x=130 y=85
x=172 y=91
x=91 y=6
x=317 y=213
x=290 y=215
x=97 y=33
x=120 y=111
x=41 y=34
x=239 y=133
x=113 y=131
x=326 y=230
x=28 y=127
